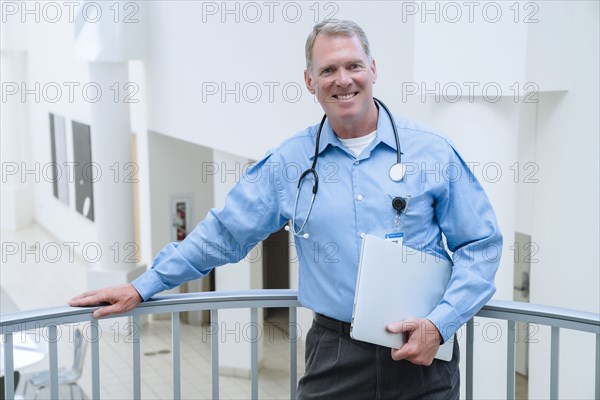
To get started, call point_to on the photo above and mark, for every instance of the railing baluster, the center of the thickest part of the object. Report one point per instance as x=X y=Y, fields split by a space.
x=137 y=370
x=554 y=349
x=510 y=361
x=176 y=356
x=469 y=360
x=254 y=353
x=95 y=360
x=53 y=353
x=597 y=366
x=214 y=352
x=9 y=383
x=293 y=354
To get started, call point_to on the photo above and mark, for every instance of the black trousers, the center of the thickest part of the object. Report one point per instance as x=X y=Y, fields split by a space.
x=338 y=367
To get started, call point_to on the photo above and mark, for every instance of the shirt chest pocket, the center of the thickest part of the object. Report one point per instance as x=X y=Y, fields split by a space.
x=414 y=220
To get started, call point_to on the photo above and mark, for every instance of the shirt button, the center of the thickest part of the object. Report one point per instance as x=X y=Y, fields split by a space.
x=362 y=235
x=359 y=197
x=356 y=162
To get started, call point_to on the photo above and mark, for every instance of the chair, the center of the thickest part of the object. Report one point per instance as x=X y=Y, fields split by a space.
x=17 y=375
x=69 y=376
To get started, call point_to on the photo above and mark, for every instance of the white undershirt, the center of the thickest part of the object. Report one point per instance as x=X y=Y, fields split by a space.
x=357 y=145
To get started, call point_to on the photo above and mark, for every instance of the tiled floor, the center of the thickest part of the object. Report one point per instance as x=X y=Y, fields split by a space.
x=521 y=389
x=28 y=283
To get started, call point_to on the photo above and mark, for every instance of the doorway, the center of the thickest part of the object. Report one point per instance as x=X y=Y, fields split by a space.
x=523 y=250
x=276 y=273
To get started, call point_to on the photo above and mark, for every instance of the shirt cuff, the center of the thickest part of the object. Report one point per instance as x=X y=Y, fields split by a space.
x=445 y=320
x=148 y=284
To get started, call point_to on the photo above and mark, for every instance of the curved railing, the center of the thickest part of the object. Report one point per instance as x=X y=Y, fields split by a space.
x=554 y=317
x=51 y=318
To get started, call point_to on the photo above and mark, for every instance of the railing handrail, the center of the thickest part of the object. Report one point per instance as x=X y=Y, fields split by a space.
x=176 y=302
x=499 y=309
x=541 y=314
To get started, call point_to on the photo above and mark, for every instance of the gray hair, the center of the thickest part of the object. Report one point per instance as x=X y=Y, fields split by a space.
x=335 y=27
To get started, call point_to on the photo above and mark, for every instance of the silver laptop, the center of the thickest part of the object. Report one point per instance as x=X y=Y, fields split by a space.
x=394 y=283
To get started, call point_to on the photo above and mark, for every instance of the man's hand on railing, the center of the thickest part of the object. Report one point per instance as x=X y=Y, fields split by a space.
x=423 y=340
x=121 y=299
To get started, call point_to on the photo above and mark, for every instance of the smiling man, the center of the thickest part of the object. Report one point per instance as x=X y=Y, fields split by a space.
x=353 y=147
x=341 y=73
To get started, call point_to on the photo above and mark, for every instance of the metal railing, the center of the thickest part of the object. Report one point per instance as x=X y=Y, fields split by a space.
x=51 y=318
x=554 y=317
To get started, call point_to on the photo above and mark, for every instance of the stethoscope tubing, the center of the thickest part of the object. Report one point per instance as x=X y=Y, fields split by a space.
x=312 y=171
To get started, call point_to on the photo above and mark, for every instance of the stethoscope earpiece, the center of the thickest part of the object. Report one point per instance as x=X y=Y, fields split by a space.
x=287 y=229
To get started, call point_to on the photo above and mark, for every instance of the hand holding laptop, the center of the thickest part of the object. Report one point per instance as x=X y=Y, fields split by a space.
x=396 y=288
x=423 y=340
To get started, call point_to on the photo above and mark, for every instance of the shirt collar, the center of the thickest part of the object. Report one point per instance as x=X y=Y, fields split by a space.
x=385 y=133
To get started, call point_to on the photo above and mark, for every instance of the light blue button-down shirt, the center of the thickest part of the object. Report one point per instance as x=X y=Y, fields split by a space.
x=354 y=198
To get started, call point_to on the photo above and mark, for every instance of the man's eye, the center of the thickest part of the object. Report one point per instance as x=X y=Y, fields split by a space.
x=355 y=66
x=326 y=71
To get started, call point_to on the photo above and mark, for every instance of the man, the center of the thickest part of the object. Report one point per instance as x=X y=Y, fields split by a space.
x=356 y=149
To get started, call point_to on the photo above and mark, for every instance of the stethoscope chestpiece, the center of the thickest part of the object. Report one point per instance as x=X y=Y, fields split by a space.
x=397 y=172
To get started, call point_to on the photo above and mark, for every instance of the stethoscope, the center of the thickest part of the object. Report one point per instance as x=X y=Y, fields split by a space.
x=397 y=172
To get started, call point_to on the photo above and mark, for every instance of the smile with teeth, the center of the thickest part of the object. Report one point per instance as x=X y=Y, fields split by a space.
x=345 y=96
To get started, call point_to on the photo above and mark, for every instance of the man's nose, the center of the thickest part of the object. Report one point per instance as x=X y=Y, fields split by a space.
x=343 y=78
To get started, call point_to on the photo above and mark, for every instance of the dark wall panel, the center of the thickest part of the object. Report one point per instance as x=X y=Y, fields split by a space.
x=84 y=170
x=58 y=143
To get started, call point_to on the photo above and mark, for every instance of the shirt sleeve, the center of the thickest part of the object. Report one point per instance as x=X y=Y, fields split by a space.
x=251 y=212
x=468 y=222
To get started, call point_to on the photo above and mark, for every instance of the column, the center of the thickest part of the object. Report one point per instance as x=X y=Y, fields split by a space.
x=17 y=194
x=107 y=44
x=113 y=190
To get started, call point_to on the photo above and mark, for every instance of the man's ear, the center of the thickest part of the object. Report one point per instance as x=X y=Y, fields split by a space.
x=309 y=82
x=374 y=70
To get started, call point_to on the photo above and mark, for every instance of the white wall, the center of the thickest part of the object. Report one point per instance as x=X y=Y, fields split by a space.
x=210 y=53
x=565 y=216
x=175 y=170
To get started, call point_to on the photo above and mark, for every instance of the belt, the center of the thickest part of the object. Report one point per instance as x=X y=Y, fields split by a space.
x=333 y=324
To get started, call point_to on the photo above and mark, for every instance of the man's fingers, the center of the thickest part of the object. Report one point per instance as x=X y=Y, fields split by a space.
x=422 y=342
x=106 y=310
x=402 y=353
x=91 y=300
x=413 y=353
x=121 y=299
x=397 y=355
x=407 y=325
x=84 y=295
x=119 y=307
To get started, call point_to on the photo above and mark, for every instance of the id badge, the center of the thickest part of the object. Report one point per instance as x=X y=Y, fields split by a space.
x=396 y=237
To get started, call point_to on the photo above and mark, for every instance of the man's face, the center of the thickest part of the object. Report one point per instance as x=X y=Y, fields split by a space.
x=342 y=78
